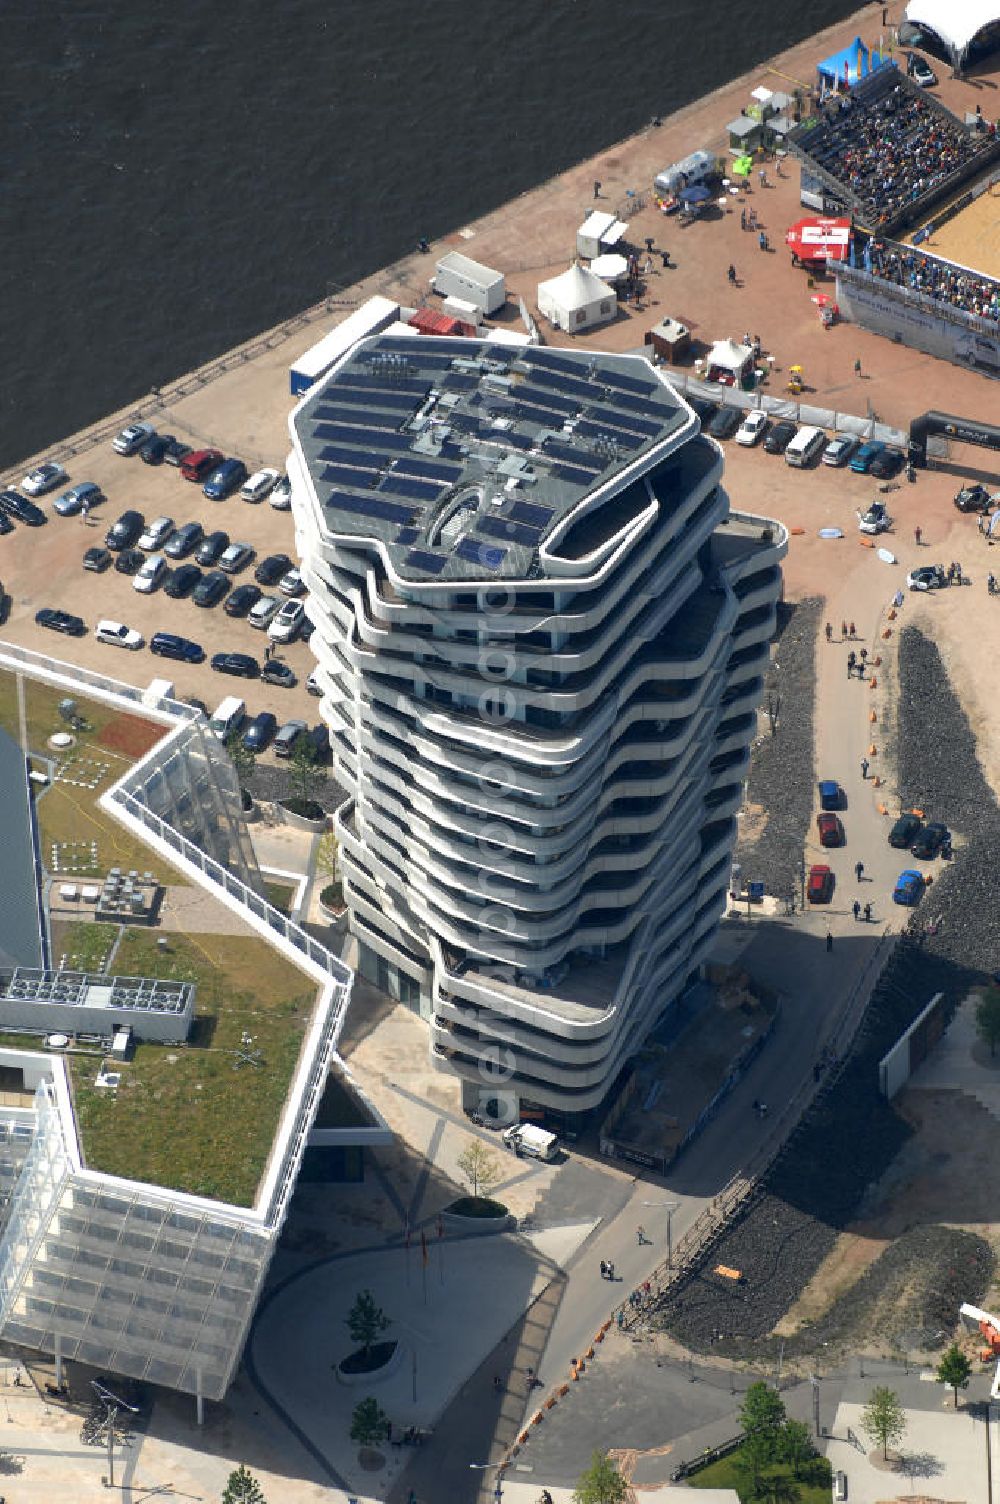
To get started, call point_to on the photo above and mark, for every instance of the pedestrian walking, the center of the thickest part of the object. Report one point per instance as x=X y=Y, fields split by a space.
x=853 y=630
x=666 y=258
x=859 y=870
x=762 y=241
x=753 y=219
x=857 y=910
x=732 y=274
x=743 y=218
x=829 y=632
x=604 y=1270
x=851 y=660
x=864 y=767
x=897 y=599
x=864 y=656
x=843 y=631
x=640 y=1234
x=857 y=366
x=868 y=913
x=621 y=1320
x=917 y=535
x=648 y=265
x=597 y=187
x=829 y=941
x=763 y=177
x=497 y=1384
x=611 y=1270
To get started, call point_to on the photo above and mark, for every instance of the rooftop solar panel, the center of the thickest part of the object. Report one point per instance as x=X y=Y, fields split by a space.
x=400 y=342
x=574 y=476
x=610 y=377
x=625 y=420
x=407 y=535
x=369 y=440
x=535 y=516
x=457 y=381
x=401 y=402
x=554 y=362
x=433 y=469
x=574 y=456
x=541 y=397
x=335 y=454
x=421 y=490
x=628 y=403
x=484 y=554
x=514 y=532
x=418 y=558
x=387 y=380
x=515 y=440
x=571 y=386
x=623 y=437
x=347 y=475
x=372 y=506
x=360 y=421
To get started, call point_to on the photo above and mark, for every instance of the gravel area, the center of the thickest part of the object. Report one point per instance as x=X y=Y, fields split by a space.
x=781 y=768
x=850 y=1135
x=271 y=781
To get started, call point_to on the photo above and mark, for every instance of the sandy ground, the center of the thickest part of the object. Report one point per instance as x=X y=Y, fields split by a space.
x=973 y=236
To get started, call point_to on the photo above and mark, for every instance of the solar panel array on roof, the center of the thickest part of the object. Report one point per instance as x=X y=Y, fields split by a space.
x=483 y=554
x=429 y=563
x=371 y=506
x=574 y=476
x=540 y=398
x=367 y=439
x=554 y=362
x=515 y=440
x=625 y=420
x=574 y=456
x=611 y=377
x=514 y=532
x=624 y=437
x=534 y=516
x=421 y=490
x=401 y=402
x=326 y=427
x=347 y=475
x=457 y=381
x=407 y=535
x=629 y=403
x=440 y=470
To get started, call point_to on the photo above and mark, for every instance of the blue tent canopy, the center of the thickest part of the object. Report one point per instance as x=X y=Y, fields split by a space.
x=844 y=65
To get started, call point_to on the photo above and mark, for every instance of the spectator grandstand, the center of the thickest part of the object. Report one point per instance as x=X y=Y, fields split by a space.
x=888 y=151
x=944 y=281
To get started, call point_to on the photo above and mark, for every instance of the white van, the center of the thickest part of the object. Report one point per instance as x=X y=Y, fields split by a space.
x=807 y=444
x=228 y=717
x=840 y=1486
x=536 y=1143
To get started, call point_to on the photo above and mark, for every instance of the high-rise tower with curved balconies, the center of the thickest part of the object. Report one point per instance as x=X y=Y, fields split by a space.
x=540 y=635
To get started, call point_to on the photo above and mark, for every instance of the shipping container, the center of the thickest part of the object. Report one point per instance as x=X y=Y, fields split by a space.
x=457 y=276
x=371 y=318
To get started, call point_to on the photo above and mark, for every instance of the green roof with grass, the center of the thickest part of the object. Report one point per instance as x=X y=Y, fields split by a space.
x=199 y=1117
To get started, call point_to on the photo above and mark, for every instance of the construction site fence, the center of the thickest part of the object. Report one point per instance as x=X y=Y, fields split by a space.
x=867 y=427
x=708 y=1456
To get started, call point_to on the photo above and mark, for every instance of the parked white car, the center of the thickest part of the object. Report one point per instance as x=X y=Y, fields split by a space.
x=285 y=626
x=267 y=607
x=157 y=533
x=150 y=575
x=291 y=583
x=875 y=520
x=281 y=497
x=132 y=438
x=44 y=478
x=259 y=485
x=753 y=427
x=118 y=634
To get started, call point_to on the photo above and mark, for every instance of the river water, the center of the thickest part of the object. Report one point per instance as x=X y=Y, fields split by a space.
x=179 y=176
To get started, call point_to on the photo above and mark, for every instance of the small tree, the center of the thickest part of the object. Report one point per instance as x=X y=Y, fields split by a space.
x=480 y=1168
x=762 y=1416
x=795 y=1447
x=883 y=1420
x=954 y=1370
x=243 y=1488
x=369 y=1423
x=602 y=1483
x=988 y=1019
x=306 y=775
x=366 y=1321
x=777 y=1488
x=241 y=758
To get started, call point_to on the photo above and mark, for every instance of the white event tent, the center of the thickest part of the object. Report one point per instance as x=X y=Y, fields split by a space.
x=956 y=23
x=575 y=300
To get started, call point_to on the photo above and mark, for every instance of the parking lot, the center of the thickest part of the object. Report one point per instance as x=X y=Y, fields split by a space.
x=42 y=567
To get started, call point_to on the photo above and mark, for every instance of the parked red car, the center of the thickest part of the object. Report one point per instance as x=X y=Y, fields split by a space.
x=819 y=888
x=831 y=832
x=200 y=463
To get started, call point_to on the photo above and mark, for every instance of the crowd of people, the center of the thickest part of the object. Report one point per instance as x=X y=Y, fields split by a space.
x=966 y=291
x=892 y=149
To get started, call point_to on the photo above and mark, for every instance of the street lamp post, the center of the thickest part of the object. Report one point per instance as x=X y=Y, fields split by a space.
x=669 y=1207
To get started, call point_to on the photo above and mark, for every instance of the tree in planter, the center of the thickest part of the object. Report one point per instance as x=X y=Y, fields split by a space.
x=883 y=1419
x=243 y=1488
x=327 y=866
x=366 y=1321
x=954 y=1370
x=369 y=1423
x=242 y=759
x=480 y=1168
x=988 y=1019
x=306 y=776
x=601 y=1483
